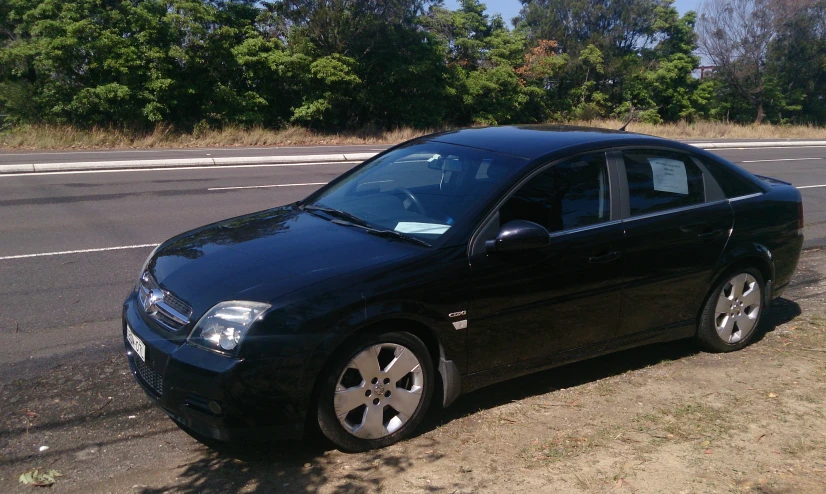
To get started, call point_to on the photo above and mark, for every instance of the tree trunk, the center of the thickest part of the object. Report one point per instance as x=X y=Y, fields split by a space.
x=760 y=114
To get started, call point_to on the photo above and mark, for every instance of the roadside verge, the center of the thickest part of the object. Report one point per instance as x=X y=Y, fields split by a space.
x=183 y=162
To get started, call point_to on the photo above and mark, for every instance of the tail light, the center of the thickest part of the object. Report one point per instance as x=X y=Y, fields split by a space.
x=800 y=218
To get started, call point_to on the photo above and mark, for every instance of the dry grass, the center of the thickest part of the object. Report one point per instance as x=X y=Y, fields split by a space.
x=715 y=130
x=64 y=137
x=687 y=421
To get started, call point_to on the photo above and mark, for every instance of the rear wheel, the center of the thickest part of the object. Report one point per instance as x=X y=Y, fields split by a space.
x=731 y=314
x=376 y=391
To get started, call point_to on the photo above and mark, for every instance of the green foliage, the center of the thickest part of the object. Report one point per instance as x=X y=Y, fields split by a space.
x=338 y=64
x=495 y=96
x=333 y=82
x=796 y=67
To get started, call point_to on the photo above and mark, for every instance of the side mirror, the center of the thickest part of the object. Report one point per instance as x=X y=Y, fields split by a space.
x=519 y=235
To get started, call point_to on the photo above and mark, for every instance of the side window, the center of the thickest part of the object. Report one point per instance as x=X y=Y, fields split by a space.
x=567 y=195
x=660 y=180
x=733 y=185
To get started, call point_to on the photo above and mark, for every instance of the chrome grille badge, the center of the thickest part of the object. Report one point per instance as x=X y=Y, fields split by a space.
x=161 y=305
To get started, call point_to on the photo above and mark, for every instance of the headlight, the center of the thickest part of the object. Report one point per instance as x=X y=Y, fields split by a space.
x=224 y=325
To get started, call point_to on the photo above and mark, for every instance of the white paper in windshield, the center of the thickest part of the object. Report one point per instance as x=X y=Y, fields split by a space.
x=669 y=175
x=425 y=228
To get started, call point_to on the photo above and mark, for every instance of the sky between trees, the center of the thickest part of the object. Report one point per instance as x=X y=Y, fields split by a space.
x=509 y=9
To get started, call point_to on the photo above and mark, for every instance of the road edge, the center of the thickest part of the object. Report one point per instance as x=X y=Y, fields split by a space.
x=300 y=159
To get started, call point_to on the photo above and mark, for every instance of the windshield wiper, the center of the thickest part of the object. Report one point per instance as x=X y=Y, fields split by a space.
x=349 y=219
x=384 y=233
x=336 y=213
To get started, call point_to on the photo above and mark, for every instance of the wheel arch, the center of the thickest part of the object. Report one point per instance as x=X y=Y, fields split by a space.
x=448 y=373
x=754 y=256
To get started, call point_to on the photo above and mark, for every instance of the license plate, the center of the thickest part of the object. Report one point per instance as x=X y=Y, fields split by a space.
x=136 y=343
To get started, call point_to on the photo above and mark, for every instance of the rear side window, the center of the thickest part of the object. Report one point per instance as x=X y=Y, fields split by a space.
x=661 y=180
x=567 y=195
x=733 y=185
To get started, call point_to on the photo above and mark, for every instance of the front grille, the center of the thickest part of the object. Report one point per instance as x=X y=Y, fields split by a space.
x=149 y=376
x=177 y=304
x=166 y=320
x=162 y=305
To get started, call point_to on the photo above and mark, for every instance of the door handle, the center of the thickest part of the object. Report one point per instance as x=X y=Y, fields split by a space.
x=710 y=234
x=601 y=259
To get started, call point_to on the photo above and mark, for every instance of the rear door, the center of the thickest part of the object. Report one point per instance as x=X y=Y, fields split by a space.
x=677 y=222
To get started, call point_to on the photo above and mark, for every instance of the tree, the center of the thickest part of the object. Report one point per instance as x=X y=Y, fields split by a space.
x=796 y=63
x=346 y=27
x=348 y=64
x=482 y=55
x=134 y=64
x=618 y=26
x=666 y=85
x=736 y=36
x=617 y=55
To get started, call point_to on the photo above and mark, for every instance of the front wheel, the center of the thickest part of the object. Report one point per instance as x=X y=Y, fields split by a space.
x=731 y=314
x=376 y=391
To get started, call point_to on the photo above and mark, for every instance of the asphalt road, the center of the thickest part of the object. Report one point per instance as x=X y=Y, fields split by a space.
x=8 y=157
x=67 y=306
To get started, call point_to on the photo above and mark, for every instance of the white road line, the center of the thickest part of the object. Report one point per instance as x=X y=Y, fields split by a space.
x=782 y=159
x=266 y=186
x=82 y=251
x=177 y=168
x=759 y=147
x=142 y=246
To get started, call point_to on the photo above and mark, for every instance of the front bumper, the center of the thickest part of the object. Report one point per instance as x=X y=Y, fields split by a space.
x=216 y=396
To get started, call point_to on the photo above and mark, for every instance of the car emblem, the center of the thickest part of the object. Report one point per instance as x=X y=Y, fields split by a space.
x=150 y=303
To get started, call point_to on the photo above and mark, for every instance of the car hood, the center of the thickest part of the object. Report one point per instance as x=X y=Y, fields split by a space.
x=264 y=255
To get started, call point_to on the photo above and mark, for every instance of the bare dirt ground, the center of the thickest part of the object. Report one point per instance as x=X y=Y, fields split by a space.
x=665 y=418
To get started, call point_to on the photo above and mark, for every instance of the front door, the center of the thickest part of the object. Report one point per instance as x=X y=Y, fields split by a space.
x=532 y=304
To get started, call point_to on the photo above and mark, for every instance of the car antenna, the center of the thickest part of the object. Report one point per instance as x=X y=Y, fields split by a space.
x=631 y=117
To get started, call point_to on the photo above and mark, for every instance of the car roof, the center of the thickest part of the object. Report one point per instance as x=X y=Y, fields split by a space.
x=534 y=141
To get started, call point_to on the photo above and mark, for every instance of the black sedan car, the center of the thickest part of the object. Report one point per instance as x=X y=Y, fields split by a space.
x=448 y=263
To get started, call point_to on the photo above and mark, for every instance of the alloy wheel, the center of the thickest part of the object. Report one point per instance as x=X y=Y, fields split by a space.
x=738 y=308
x=378 y=391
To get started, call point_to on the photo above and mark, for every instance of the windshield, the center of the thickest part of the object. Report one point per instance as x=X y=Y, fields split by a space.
x=421 y=190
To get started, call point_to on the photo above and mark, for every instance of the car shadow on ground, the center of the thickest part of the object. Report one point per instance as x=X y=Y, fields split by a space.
x=307 y=466
x=579 y=373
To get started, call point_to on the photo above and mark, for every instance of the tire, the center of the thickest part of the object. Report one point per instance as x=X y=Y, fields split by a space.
x=376 y=391
x=732 y=313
